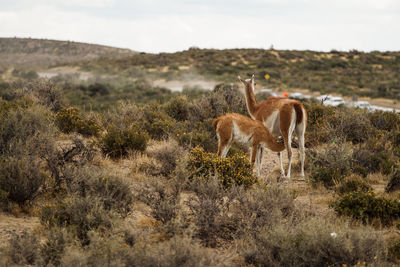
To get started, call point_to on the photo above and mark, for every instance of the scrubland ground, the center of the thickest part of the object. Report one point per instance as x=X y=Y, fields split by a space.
x=141 y=185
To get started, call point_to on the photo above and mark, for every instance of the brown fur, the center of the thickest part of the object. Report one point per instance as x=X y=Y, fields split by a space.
x=254 y=130
x=215 y=123
x=263 y=112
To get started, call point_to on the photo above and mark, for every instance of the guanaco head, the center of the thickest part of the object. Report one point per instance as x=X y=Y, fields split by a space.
x=249 y=82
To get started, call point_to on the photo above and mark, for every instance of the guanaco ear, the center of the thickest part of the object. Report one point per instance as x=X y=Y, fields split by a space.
x=252 y=79
x=240 y=79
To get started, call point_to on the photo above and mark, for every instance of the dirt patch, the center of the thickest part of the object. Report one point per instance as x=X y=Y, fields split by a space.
x=10 y=225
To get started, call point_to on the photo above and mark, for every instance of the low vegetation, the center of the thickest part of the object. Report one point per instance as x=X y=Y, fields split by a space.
x=138 y=183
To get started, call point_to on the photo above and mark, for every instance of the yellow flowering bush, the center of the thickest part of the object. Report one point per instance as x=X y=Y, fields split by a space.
x=70 y=120
x=236 y=170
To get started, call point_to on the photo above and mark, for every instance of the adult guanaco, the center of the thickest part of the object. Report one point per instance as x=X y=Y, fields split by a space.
x=282 y=117
x=235 y=127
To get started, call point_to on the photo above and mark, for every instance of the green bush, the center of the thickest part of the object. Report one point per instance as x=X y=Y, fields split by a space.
x=70 y=120
x=367 y=207
x=236 y=170
x=353 y=185
x=118 y=142
x=156 y=123
x=178 y=108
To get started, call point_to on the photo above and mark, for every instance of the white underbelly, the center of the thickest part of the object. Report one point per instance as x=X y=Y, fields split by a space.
x=239 y=136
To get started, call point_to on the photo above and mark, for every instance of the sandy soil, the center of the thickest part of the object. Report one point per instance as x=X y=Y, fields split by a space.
x=10 y=225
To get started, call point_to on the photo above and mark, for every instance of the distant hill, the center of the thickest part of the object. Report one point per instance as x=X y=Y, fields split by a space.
x=42 y=52
x=353 y=73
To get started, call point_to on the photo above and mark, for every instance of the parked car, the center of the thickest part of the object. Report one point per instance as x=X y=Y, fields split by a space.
x=298 y=96
x=334 y=101
x=324 y=98
x=363 y=105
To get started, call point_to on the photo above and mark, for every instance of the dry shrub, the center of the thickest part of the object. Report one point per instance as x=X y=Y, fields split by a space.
x=222 y=214
x=210 y=212
x=95 y=201
x=319 y=129
x=23 y=249
x=145 y=164
x=123 y=114
x=351 y=125
x=167 y=153
x=177 y=251
x=41 y=91
x=326 y=123
x=113 y=192
x=79 y=215
x=394 y=182
x=75 y=153
x=387 y=121
x=331 y=165
x=261 y=207
x=20 y=179
x=26 y=138
x=394 y=251
x=312 y=242
x=183 y=251
x=53 y=249
x=160 y=196
x=25 y=127
x=375 y=155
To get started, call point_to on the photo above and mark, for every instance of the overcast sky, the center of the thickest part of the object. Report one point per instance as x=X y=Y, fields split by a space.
x=175 y=25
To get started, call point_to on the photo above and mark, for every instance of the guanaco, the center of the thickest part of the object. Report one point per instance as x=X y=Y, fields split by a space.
x=236 y=127
x=282 y=117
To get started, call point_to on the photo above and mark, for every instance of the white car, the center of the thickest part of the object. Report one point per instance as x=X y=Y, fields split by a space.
x=363 y=105
x=299 y=96
x=324 y=98
x=334 y=101
x=374 y=108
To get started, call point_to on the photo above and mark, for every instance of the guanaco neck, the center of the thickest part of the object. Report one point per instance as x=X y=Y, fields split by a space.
x=251 y=102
